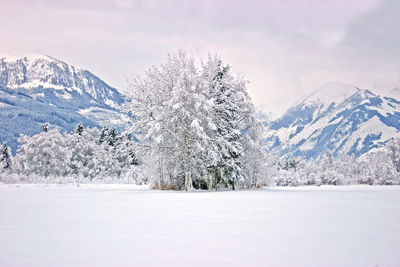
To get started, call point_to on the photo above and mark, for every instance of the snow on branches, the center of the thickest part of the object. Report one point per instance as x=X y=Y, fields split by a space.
x=84 y=156
x=194 y=120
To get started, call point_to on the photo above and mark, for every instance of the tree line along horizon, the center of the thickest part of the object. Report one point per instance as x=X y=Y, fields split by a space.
x=193 y=127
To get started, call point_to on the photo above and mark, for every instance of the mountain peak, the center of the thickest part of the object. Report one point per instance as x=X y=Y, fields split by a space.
x=8 y=57
x=35 y=71
x=34 y=57
x=338 y=117
x=31 y=57
x=331 y=92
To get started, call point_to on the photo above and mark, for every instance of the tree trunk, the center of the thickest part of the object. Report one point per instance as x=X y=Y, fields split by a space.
x=188 y=180
x=160 y=172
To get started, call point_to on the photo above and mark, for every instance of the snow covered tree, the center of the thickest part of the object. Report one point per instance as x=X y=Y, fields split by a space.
x=169 y=104
x=5 y=158
x=124 y=155
x=327 y=169
x=393 y=149
x=84 y=154
x=232 y=122
x=104 y=156
x=378 y=169
x=109 y=136
x=253 y=159
x=44 y=154
x=191 y=120
x=309 y=173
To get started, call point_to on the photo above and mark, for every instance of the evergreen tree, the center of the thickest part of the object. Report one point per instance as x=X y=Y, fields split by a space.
x=109 y=136
x=5 y=158
x=79 y=129
x=233 y=121
x=45 y=127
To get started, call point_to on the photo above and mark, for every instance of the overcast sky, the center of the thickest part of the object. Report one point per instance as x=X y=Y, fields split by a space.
x=285 y=48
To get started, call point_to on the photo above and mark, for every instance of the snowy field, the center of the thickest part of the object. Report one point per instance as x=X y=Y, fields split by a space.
x=122 y=225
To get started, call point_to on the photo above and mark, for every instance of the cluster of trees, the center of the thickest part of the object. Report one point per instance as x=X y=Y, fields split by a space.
x=86 y=155
x=92 y=156
x=195 y=127
x=197 y=124
x=381 y=167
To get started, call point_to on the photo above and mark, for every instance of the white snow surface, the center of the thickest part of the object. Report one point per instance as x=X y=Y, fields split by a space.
x=121 y=225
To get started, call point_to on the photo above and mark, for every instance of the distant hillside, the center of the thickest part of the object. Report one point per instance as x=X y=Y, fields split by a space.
x=337 y=117
x=36 y=89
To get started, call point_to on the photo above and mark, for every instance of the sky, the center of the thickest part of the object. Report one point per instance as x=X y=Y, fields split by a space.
x=284 y=48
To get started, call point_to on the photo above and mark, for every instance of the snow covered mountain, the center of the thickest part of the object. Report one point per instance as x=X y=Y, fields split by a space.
x=337 y=117
x=36 y=89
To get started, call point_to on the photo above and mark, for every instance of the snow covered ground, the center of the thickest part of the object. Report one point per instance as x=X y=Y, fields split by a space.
x=121 y=225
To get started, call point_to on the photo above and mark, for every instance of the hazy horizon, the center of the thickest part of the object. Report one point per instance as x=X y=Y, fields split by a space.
x=285 y=49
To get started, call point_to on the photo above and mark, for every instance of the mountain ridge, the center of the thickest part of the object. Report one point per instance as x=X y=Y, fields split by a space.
x=37 y=70
x=353 y=121
x=37 y=88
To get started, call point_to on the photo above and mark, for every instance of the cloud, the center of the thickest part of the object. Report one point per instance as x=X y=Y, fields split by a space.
x=377 y=33
x=285 y=48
